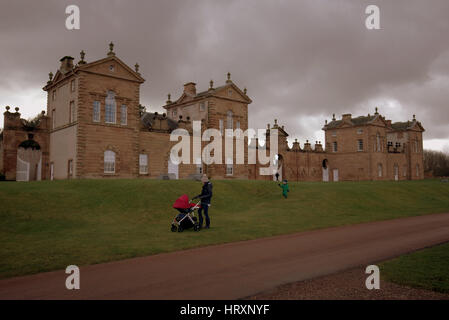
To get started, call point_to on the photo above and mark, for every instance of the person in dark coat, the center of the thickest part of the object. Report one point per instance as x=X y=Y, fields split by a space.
x=205 y=196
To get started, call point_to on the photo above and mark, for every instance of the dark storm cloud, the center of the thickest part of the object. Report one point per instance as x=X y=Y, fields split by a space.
x=301 y=61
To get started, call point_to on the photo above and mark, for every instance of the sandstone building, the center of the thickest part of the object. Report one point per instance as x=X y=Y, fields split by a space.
x=95 y=127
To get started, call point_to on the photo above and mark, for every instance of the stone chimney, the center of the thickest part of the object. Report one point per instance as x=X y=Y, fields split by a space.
x=66 y=64
x=318 y=146
x=346 y=116
x=190 y=89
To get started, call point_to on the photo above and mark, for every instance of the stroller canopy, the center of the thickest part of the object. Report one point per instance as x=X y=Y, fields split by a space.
x=183 y=202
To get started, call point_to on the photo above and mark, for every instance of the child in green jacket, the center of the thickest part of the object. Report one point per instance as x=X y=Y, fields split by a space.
x=284 y=188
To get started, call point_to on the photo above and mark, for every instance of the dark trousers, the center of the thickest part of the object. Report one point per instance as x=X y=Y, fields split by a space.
x=205 y=208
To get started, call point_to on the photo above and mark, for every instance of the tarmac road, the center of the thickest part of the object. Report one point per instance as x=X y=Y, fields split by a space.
x=239 y=269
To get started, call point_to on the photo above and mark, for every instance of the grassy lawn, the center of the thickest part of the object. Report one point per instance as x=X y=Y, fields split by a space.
x=48 y=225
x=425 y=269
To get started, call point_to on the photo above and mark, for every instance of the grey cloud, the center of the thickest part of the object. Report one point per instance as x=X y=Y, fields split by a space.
x=300 y=60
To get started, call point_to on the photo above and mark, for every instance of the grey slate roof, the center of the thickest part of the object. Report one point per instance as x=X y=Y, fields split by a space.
x=149 y=117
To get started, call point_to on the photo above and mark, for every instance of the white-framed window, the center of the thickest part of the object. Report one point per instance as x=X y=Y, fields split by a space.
x=237 y=127
x=360 y=145
x=359 y=131
x=378 y=142
x=229 y=121
x=96 y=111
x=72 y=112
x=334 y=146
x=70 y=168
x=220 y=124
x=53 y=95
x=53 y=118
x=123 y=115
x=229 y=167
x=110 y=108
x=416 y=145
x=109 y=161
x=417 y=170
x=72 y=85
x=229 y=93
x=203 y=106
x=334 y=133
x=199 y=166
x=379 y=170
x=143 y=163
x=174 y=113
x=404 y=172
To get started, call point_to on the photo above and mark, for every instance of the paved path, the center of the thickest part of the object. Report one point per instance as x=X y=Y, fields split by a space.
x=239 y=269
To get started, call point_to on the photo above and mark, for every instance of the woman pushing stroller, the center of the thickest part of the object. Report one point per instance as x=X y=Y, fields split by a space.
x=205 y=197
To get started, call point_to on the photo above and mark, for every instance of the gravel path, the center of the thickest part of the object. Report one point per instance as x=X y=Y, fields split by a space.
x=348 y=285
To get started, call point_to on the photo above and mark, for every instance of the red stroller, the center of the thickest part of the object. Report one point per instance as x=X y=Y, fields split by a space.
x=186 y=218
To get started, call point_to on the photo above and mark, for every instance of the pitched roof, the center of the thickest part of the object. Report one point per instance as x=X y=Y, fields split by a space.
x=148 y=118
x=402 y=126
x=354 y=121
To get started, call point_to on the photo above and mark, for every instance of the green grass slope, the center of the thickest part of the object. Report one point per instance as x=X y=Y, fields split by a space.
x=425 y=269
x=48 y=225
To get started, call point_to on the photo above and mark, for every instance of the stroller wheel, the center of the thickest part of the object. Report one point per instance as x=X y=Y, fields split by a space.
x=173 y=228
x=180 y=229
x=196 y=227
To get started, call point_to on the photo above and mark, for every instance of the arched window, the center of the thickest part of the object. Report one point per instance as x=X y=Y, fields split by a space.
x=379 y=170
x=110 y=108
x=417 y=170
x=109 y=161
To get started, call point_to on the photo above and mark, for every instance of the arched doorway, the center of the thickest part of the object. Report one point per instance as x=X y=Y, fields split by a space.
x=325 y=165
x=29 y=160
x=278 y=163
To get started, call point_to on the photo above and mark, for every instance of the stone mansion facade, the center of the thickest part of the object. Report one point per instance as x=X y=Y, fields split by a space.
x=95 y=127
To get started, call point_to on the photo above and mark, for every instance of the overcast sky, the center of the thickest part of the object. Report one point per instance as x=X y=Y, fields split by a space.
x=301 y=61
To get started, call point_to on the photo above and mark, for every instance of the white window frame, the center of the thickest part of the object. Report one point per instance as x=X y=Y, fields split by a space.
x=53 y=118
x=72 y=113
x=110 y=108
x=96 y=111
x=360 y=131
x=334 y=146
x=72 y=86
x=378 y=142
x=143 y=163
x=229 y=167
x=417 y=170
x=123 y=115
x=221 y=127
x=109 y=161
x=203 y=106
x=360 y=145
x=379 y=170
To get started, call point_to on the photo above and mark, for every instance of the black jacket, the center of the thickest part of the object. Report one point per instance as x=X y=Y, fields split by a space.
x=206 y=193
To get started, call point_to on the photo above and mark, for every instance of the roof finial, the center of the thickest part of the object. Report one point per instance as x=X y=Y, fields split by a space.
x=376 y=111
x=211 y=84
x=136 y=67
x=229 y=78
x=50 y=76
x=111 y=48
x=414 y=117
x=325 y=122
x=168 y=98
x=244 y=91
x=333 y=116
x=82 y=55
